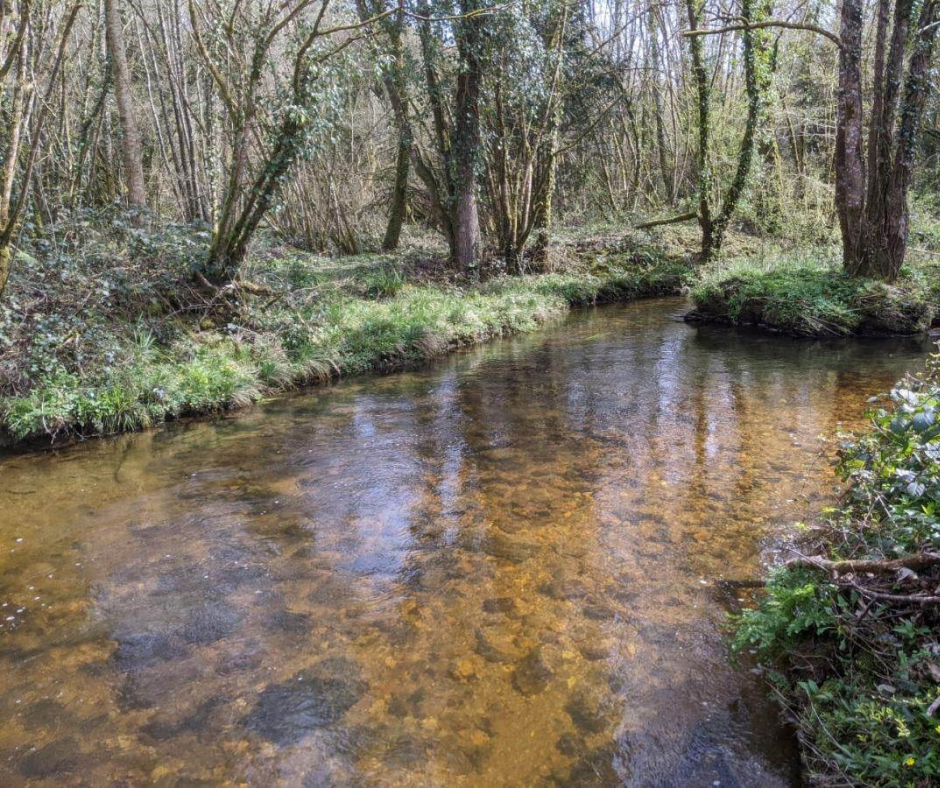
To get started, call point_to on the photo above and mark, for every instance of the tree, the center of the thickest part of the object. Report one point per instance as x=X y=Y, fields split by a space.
x=130 y=135
x=235 y=44
x=521 y=113
x=871 y=186
x=872 y=190
x=714 y=222
x=395 y=81
x=450 y=172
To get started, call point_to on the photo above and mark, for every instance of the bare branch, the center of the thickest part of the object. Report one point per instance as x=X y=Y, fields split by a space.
x=771 y=23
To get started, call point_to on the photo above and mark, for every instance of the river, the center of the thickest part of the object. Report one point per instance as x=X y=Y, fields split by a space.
x=502 y=569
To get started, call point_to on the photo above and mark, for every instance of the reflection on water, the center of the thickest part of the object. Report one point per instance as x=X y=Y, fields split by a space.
x=498 y=571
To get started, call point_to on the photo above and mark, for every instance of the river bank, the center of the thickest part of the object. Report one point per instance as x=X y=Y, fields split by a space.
x=104 y=332
x=848 y=630
x=811 y=298
x=803 y=291
x=116 y=339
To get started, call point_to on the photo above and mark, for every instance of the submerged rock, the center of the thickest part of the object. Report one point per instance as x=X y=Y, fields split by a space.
x=598 y=611
x=532 y=675
x=596 y=768
x=289 y=623
x=494 y=648
x=211 y=622
x=57 y=758
x=311 y=699
x=563 y=586
x=594 y=650
x=162 y=728
x=502 y=604
x=140 y=649
x=514 y=550
x=589 y=712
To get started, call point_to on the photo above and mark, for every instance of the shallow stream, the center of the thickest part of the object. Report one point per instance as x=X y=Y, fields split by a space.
x=502 y=569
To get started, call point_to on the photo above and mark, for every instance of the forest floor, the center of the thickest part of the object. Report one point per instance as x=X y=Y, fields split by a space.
x=102 y=330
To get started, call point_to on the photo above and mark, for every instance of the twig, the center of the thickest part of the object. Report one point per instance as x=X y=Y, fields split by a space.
x=911 y=599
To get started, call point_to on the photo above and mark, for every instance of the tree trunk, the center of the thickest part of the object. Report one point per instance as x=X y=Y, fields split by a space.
x=399 y=204
x=896 y=223
x=467 y=140
x=542 y=208
x=703 y=93
x=665 y=170
x=130 y=143
x=395 y=81
x=850 y=170
x=6 y=255
x=756 y=79
x=874 y=220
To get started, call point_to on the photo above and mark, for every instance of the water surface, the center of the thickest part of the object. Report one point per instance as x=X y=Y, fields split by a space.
x=500 y=570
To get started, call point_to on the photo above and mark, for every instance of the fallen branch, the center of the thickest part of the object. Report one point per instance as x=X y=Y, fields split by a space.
x=686 y=217
x=915 y=563
x=905 y=599
x=239 y=285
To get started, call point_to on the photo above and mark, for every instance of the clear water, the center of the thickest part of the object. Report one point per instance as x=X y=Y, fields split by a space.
x=500 y=570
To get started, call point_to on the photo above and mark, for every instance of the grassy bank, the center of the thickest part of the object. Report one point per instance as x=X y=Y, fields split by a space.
x=803 y=292
x=849 y=636
x=92 y=342
x=811 y=300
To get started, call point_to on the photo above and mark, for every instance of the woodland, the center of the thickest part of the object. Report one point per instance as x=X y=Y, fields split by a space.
x=206 y=202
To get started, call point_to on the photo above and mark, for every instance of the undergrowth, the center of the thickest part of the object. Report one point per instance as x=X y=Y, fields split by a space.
x=811 y=296
x=853 y=651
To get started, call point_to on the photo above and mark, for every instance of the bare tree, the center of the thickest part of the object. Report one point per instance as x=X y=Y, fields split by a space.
x=238 y=71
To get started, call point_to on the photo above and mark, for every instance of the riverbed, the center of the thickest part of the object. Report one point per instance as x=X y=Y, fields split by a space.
x=505 y=568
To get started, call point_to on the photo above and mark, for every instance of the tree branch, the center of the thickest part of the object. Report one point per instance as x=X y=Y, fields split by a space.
x=685 y=217
x=916 y=563
x=770 y=23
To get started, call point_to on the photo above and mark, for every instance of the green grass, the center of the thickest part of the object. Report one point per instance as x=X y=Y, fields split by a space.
x=329 y=318
x=812 y=297
x=856 y=665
